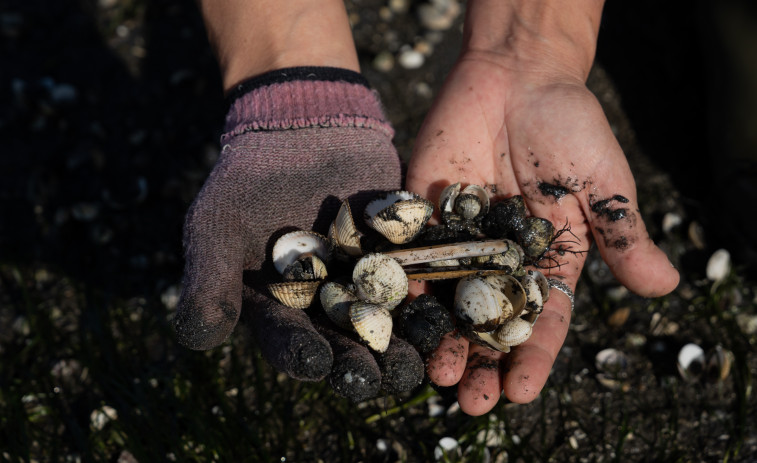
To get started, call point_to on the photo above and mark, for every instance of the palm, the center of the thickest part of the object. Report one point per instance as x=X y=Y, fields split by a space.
x=493 y=126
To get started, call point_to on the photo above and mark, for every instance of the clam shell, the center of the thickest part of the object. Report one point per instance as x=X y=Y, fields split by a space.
x=307 y=267
x=514 y=332
x=691 y=362
x=509 y=260
x=379 y=279
x=534 y=299
x=373 y=323
x=472 y=202
x=447 y=198
x=399 y=216
x=344 y=232
x=336 y=299
x=295 y=294
x=289 y=247
x=513 y=291
x=480 y=305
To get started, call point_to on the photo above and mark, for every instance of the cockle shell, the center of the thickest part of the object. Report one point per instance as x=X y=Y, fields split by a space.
x=509 y=260
x=447 y=198
x=295 y=294
x=399 y=216
x=379 y=279
x=373 y=323
x=307 y=267
x=472 y=202
x=534 y=295
x=289 y=247
x=336 y=300
x=344 y=233
x=514 y=332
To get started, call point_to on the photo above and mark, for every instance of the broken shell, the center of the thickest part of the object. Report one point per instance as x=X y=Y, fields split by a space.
x=472 y=202
x=447 y=198
x=480 y=304
x=307 y=267
x=612 y=366
x=344 y=233
x=295 y=294
x=719 y=364
x=534 y=295
x=379 y=279
x=514 y=332
x=536 y=236
x=719 y=265
x=336 y=299
x=691 y=362
x=399 y=216
x=373 y=323
x=291 y=246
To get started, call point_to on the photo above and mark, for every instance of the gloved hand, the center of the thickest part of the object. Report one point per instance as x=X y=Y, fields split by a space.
x=297 y=141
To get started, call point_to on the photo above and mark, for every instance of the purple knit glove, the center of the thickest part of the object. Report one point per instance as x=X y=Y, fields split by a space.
x=297 y=142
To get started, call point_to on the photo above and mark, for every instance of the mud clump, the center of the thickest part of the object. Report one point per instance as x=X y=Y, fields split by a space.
x=423 y=322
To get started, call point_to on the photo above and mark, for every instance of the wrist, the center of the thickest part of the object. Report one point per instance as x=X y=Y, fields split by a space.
x=548 y=37
x=252 y=38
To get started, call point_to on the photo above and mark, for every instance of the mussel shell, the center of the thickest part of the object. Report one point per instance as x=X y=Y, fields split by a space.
x=295 y=294
x=336 y=299
x=307 y=267
x=480 y=305
x=289 y=247
x=379 y=279
x=373 y=323
x=514 y=332
x=536 y=236
x=399 y=216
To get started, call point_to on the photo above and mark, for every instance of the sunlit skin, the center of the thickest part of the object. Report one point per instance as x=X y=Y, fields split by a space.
x=499 y=124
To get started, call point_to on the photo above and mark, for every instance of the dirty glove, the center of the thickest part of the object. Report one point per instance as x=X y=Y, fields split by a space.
x=297 y=141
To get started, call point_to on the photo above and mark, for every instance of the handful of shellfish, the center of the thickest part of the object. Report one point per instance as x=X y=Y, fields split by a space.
x=361 y=281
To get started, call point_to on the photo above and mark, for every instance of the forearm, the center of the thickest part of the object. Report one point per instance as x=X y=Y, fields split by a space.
x=252 y=37
x=551 y=35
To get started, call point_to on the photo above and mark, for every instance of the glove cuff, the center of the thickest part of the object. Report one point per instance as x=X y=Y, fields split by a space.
x=304 y=97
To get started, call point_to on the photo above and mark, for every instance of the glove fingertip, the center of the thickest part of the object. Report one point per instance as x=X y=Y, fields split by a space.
x=401 y=367
x=203 y=328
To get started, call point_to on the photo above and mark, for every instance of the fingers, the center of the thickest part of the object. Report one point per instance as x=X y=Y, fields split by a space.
x=212 y=287
x=529 y=365
x=401 y=367
x=480 y=386
x=446 y=365
x=287 y=339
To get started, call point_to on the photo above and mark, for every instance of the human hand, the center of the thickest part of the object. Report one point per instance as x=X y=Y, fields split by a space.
x=286 y=166
x=532 y=128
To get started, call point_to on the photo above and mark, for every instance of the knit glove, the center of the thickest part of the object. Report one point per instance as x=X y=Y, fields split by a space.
x=296 y=143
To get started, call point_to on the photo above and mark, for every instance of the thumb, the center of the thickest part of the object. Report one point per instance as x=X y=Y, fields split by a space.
x=211 y=296
x=623 y=240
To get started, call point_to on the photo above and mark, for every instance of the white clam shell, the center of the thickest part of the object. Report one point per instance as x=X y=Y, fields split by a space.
x=399 y=216
x=295 y=294
x=719 y=265
x=289 y=247
x=344 y=232
x=514 y=332
x=336 y=300
x=534 y=299
x=373 y=323
x=691 y=362
x=513 y=291
x=479 y=304
x=379 y=279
